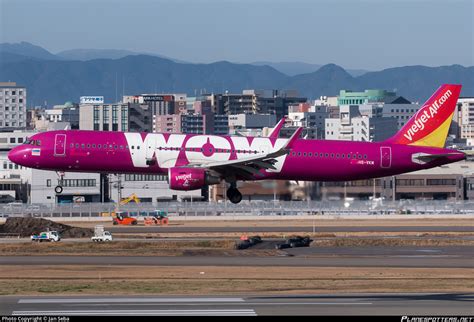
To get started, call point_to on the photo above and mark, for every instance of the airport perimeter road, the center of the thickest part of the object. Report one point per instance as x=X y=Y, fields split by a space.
x=309 y=229
x=332 y=304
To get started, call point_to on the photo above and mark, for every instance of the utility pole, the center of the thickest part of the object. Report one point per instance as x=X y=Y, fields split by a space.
x=374 y=188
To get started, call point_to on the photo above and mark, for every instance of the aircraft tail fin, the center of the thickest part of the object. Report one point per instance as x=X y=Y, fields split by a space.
x=430 y=125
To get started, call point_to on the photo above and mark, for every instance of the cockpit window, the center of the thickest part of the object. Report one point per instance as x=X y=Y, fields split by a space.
x=33 y=142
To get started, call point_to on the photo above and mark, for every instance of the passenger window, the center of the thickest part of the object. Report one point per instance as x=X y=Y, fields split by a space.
x=332 y=155
x=93 y=146
x=99 y=146
x=365 y=156
x=72 y=145
x=88 y=146
x=83 y=145
x=326 y=155
x=77 y=145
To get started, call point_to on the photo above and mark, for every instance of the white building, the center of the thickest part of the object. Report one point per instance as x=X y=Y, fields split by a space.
x=103 y=117
x=240 y=122
x=353 y=126
x=148 y=188
x=464 y=120
x=12 y=106
x=77 y=187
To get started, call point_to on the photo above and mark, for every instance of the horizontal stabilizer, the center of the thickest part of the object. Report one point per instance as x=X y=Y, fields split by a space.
x=422 y=158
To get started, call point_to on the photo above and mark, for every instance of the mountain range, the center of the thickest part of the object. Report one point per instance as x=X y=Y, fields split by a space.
x=68 y=75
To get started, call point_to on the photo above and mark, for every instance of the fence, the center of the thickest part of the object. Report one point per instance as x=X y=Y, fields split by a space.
x=254 y=208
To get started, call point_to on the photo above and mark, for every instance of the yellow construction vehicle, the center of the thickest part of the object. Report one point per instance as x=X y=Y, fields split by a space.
x=132 y=197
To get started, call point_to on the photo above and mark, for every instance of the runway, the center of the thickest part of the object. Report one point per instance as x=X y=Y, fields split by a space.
x=442 y=257
x=309 y=229
x=330 y=304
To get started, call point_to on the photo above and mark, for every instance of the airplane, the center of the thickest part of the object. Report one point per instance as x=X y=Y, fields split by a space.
x=193 y=161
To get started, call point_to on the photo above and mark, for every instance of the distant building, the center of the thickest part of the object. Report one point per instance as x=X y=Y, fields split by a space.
x=12 y=106
x=239 y=122
x=140 y=118
x=69 y=112
x=463 y=121
x=104 y=117
x=168 y=123
x=347 y=97
x=353 y=126
x=313 y=121
x=453 y=181
x=274 y=102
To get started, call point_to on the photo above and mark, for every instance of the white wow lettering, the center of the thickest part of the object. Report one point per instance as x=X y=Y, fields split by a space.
x=425 y=114
x=197 y=149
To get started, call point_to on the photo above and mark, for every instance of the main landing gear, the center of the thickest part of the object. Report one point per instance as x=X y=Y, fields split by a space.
x=59 y=188
x=233 y=194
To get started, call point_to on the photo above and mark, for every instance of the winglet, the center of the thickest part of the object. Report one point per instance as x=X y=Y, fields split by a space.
x=293 y=138
x=276 y=130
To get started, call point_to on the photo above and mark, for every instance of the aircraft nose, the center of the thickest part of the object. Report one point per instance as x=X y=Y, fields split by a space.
x=18 y=155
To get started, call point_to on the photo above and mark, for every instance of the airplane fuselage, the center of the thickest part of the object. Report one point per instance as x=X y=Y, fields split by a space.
x=155 y=153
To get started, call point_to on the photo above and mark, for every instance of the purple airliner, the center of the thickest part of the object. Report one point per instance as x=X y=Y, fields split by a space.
x=192 y=161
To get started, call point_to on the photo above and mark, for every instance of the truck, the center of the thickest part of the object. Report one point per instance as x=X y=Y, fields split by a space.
x=100 y=235
x=52 y=236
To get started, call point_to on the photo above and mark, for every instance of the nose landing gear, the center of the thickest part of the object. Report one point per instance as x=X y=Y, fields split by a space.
x=59 y=188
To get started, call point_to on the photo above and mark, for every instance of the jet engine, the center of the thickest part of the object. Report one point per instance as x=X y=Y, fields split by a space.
x=190 y=178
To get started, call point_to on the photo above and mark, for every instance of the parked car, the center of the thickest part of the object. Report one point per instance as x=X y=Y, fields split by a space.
x=293 y=242
x=248 y=242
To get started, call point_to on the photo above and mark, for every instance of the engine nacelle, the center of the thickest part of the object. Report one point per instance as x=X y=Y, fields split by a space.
x=190 y=178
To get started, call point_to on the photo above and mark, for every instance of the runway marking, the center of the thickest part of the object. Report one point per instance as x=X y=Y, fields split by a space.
x=129 y=300
x=236 y=304
x=243 y=312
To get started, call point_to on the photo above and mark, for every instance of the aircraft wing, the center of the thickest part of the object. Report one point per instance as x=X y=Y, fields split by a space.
x=251 y=166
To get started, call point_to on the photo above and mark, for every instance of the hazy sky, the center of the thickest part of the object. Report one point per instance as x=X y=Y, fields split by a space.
x=354 y=34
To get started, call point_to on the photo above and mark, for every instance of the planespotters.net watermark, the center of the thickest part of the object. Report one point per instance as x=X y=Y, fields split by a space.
x=437 y=319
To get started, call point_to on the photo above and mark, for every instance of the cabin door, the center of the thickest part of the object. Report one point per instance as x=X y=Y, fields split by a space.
x=385 y=157
x=60 y=145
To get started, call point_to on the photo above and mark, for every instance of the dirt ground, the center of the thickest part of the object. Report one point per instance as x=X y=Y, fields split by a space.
x=198 y=280
x=25 y=227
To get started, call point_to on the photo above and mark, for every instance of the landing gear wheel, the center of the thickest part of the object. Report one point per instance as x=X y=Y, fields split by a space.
x=234 y=195
x=58 y=189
